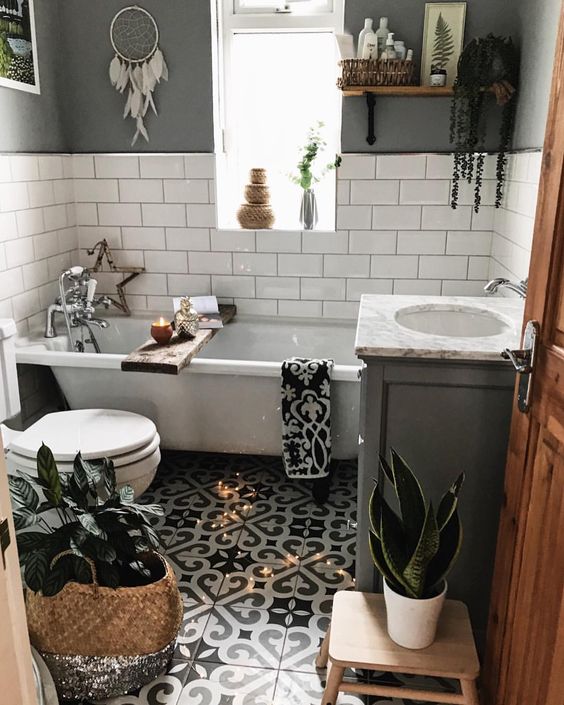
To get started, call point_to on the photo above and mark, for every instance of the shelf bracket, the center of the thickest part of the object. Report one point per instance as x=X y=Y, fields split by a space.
x=371 y=102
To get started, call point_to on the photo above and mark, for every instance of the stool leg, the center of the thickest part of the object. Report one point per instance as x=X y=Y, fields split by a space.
x=323 y=655
x=470 y=692
x=334 y=680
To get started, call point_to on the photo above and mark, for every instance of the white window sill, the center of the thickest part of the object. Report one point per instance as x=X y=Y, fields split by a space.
x=239 y=229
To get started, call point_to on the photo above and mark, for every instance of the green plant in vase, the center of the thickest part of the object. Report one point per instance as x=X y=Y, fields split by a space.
x=306 y=178
x=414 y=550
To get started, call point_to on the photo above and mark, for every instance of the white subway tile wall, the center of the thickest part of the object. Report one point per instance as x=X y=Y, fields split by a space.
x=38 y=233
x=513 y=223
x=396 y=233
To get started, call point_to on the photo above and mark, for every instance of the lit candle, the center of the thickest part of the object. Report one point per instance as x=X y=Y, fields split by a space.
x=161 y=331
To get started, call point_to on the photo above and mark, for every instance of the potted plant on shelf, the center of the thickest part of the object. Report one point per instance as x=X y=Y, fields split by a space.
x=103 y=606
x=306 y=179
x=414 y=552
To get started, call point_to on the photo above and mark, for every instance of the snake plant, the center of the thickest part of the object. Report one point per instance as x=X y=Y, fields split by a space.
x=416 y=550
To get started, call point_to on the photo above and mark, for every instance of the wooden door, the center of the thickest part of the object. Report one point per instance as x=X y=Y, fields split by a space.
x=525 y=654
x=16 y=678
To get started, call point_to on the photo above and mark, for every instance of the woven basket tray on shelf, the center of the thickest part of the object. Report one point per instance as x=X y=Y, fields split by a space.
x=367 y=72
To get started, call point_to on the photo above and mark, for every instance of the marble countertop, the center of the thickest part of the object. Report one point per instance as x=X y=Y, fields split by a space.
x=379 y=334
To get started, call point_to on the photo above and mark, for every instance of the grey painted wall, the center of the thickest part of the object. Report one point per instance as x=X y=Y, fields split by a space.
x=32 y=123
x=79 y=111
x=416 y=124
x=539 y=26
x=93 y=109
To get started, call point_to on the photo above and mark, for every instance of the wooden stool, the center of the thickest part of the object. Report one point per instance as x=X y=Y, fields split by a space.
x=358 y=638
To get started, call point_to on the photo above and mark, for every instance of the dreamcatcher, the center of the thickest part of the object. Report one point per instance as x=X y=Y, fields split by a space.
x=138 y=64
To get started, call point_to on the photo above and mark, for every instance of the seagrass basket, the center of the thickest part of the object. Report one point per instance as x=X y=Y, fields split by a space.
x=255 y=217
x=369 y=72
x=99 y=642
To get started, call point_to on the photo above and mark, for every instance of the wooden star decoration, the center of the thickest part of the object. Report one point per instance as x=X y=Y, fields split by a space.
x=105 y=253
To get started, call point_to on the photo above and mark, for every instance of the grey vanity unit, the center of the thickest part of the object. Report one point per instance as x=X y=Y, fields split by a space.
x=435 y=388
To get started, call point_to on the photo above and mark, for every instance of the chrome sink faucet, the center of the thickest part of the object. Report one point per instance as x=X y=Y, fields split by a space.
x=76 y=302
x=501 y=283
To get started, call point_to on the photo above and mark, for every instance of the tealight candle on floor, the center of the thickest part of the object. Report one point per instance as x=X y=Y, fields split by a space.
x=161 y=331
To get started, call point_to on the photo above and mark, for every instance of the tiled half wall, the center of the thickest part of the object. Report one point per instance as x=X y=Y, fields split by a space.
x=513 y=223
x=38 y=234
x=396 y=233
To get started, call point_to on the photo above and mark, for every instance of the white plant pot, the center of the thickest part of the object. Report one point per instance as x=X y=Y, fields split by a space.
x=412 y=623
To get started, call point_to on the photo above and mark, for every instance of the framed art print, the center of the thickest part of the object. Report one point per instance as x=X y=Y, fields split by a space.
x=18 y=46
x=443 y=39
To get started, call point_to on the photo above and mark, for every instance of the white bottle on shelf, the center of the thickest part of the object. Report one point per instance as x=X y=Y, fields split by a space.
x=370 y=48
x=382 y=34
x=401 y=51
x=390 y=51
x=363 y=32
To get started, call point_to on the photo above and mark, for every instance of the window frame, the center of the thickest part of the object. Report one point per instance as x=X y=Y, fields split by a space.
x=240 y=9
x=228 y=22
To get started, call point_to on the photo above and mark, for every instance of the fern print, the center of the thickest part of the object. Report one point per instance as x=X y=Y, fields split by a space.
x=443 y=47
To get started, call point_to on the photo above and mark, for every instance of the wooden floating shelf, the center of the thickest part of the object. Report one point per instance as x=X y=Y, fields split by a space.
x=370 y=92
x=413 y=91
x=172 y=358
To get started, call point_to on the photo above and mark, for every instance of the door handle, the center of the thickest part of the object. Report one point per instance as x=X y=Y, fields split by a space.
x=521 y=360
x=5 y=539
x=524 y=363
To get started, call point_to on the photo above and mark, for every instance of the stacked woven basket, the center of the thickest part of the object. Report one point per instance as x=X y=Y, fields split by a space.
x=256 y=213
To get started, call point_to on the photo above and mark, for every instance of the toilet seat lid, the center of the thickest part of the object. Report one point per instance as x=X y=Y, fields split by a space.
x=96 y=433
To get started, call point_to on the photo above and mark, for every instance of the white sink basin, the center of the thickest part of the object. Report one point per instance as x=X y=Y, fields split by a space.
x=452 y=321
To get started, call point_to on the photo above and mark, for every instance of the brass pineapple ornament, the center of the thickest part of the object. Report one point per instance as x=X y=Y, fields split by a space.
x=186 y=319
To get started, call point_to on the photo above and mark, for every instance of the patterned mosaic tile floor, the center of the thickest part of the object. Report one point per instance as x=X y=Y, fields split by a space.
x=258 y=563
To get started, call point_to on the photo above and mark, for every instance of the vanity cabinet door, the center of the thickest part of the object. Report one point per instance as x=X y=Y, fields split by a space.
x=443 y=418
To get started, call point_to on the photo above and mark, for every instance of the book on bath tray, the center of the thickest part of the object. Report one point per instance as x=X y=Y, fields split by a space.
x=207 y=309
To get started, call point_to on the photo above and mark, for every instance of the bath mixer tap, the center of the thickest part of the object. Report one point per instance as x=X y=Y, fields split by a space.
x=501 y=283
x=76 y=303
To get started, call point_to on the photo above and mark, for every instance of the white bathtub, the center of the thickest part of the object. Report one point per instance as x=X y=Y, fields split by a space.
x=228 y=399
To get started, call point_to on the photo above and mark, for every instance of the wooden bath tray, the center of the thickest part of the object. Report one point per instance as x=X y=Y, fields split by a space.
x=172 y=358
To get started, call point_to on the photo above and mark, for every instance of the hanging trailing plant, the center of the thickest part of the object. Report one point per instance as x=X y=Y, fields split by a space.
x=486 y=66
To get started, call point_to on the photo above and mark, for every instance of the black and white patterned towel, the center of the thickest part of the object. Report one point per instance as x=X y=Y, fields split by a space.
x=306 y=417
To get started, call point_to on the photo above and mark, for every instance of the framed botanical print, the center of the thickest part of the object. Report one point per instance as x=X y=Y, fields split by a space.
x=443 y=41
x=18 y=46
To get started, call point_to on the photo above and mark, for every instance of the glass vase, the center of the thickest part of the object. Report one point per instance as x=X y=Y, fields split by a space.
x=308 y=211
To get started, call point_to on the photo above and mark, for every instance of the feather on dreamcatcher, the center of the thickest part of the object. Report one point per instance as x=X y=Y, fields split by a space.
x=138 y=65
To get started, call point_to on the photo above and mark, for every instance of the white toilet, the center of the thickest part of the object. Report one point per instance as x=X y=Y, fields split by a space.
x=131 y=441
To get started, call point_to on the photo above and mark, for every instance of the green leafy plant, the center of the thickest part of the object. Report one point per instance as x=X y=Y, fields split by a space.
x=488 y=66
x=6 y=55
x=315 y=144
x=443 y=47
x=93 y=520
x=416 y=550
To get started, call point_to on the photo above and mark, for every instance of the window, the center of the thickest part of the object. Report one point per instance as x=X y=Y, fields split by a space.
x=277 y=73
